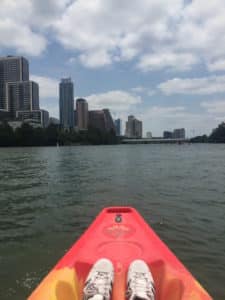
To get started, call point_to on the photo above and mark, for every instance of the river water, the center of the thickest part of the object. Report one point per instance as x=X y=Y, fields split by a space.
x=48 y=196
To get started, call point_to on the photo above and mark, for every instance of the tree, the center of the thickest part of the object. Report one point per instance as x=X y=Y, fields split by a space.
x=24 y=135
x=218 y=134
x=199 y=139
x=52 y=132
x=7 y=136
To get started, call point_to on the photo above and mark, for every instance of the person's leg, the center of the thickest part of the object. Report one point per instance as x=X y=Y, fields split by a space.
x=98 y=285
x=140 y=283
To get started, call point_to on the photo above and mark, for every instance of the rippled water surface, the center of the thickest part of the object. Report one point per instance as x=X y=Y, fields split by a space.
x=48 y=196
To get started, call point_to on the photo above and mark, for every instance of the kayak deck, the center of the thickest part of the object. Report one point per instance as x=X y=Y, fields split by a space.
x=121 y=235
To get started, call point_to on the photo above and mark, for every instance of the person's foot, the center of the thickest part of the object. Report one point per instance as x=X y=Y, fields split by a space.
x=98 y=285
x=140 y=284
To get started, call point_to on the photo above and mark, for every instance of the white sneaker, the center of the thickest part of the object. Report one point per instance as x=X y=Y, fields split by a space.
x=140 y=284
x=98 y=285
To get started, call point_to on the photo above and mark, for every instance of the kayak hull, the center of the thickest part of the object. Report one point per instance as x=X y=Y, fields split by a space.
x=121 y=235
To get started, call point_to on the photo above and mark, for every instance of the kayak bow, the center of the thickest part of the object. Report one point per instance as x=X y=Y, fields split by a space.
x=121 y=235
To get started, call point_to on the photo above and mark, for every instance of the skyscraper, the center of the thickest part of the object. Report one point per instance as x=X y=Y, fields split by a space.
x=82 y=114
x=117 y=123
x=66 y=103
x=19 y=97
x=133 y=128
x=22 y=96
x=12 y=69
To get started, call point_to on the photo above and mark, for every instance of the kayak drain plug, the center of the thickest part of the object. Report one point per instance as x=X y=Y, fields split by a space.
x=118 y=218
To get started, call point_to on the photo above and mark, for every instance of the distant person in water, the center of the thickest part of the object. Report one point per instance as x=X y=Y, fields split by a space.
x=140 y=283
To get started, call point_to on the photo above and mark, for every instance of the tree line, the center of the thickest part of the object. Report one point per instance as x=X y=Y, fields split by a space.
x=217 y=136
x=53 y=135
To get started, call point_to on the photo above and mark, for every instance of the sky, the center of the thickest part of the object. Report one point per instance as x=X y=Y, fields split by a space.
x=162 y=61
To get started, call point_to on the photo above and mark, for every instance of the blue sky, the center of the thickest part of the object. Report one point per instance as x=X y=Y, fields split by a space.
x=163 y=61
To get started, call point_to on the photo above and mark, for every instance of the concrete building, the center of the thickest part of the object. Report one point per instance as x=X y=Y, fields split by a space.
x=101 y=119
x=109 y=124
x=19 y=97
x=167 y=134
x=179 y=133
x=96 y=119
x=22 y=95
x=81 y=114
x=66 y=103
x=12 y=69
x=133 y=128
x=117 y=124
x=40 y=116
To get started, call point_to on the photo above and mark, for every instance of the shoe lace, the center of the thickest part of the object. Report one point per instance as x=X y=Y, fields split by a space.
x=140 y=285
x=100 y=284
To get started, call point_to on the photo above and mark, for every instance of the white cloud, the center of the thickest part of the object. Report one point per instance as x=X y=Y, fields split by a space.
x=24 y=24
x=121 y=31
x=172 y=60
x=52 y=106
x=48 y=94
x=15 y=31
x=157 y=34
x=160 y=34
x=214 y=107
x=195 y=86
x=21 y=38
x=96 y=59
x=217 y=65
x=116 y=101
x=48 y=87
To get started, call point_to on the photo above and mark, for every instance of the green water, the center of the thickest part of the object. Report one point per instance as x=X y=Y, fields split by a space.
x=48 y=196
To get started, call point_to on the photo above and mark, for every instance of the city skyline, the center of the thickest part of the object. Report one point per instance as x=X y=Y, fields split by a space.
x=156 y=60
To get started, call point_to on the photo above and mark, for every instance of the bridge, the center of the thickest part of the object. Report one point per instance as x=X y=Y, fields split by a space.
x=154 y=141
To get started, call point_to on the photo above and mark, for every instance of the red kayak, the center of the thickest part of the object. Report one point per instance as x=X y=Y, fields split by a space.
x=121 y=235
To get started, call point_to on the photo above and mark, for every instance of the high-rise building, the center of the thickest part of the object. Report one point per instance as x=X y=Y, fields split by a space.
x=19 y=97
x=179 y=133
x=81 y=114
x=167 y=134
x=133 y=128
x=96 y=119
x=101 y=119
x=22 y=96
x=109 y=124
x=12 y=69
x=117 y=123
x=66 y=103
